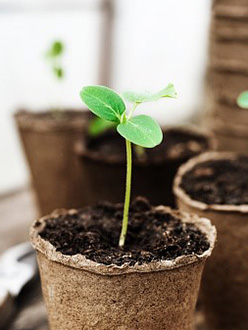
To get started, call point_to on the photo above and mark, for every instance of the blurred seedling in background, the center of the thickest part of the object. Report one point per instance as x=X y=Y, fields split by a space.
x=242 y=100
x=140 y=130
x=54 y=56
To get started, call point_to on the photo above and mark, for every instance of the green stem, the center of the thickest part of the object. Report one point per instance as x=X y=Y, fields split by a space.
x=132 y=111
x=127 y=194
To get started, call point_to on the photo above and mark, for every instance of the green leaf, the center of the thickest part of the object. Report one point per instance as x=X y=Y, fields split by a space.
x=99 y=125
x=58 y=71
x=133 y=97
x=103 y=102
x=56 y=49
x=141 y=130
x=243 y=100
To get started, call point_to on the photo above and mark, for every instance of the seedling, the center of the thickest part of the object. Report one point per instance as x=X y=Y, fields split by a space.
x=140 y=130
x=242 y=100
x=54 y=55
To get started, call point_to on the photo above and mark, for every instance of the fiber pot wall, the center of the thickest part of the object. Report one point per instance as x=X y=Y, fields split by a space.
x=106 y=177
x=80 y=293
x=229 y=115
x=231 y=2
x=232 y=10
x=48 y=145
x=225 y=278
x=229 y=138
x=227 y=86
x=229 y=54
x=229 y=29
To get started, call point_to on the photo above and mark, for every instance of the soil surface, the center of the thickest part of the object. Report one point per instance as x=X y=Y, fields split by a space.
x=218 y=182
x=152 y=235
x=177 y=144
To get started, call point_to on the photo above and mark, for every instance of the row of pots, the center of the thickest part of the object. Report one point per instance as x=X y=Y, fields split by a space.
x=66 y=165
x=228 y=74
x=79 y=292
x=159 y=295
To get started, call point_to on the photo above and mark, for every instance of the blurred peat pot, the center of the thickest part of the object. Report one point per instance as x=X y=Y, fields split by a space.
x=225 y=278
x=48 y=139
x=103 y=165
x=228 y=74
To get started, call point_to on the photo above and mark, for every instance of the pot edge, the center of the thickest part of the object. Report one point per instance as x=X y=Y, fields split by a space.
x=26 y=120
x=78 y=261
x=182 y=195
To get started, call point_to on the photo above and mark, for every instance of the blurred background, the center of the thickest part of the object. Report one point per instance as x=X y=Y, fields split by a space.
x=131 y=44
x=124 y=44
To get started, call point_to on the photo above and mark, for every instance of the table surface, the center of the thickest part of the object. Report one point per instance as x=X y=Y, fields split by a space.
x=17 y=211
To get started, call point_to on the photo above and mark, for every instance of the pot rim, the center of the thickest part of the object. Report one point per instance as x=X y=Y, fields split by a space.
x=82 y=151
x=30 y=120
x=186 y=198
x=79 y=261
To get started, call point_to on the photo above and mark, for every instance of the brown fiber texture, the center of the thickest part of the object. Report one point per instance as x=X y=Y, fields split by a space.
x=228 y=74
x=233 y=138
x=82 y=294
x=227 y=86
x=48 y=145
x=229 y=29
x=225 y=278
x=109 y=176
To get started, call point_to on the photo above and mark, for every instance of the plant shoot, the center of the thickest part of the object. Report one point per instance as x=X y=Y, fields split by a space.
x=54 y=55
x=141 y=130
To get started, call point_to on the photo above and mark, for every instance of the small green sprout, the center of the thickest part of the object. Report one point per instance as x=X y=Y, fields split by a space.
x=242 y=100
x=98 y=126
x=54 y=55
x=140 y=130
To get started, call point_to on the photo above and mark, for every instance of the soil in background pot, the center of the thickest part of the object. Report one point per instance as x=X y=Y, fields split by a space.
x=103 y=159
x=48 y=139
x=219 y=182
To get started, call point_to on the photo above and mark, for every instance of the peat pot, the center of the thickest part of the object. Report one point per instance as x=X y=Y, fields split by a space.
x=229 y=137
x=104 y=165
x=81 y=293
x=213 y=185
x=48 y=140
x=229 y=55
x=229 y=115
x=224 y=28
x=236 y=10
x=227 y=86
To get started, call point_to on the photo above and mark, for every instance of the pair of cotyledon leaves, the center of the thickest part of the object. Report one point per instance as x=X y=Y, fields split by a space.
x=141 y=130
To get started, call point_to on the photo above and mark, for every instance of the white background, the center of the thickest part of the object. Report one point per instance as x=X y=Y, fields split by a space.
x=155 y=42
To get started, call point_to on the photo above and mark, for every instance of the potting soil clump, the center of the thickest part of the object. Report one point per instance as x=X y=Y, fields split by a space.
x=152 y=234
x=218 y=182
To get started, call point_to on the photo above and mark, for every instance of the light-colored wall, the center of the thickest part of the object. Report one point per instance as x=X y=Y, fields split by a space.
x=155 y=42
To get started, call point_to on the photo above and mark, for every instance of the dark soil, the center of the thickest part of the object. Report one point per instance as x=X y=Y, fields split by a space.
x=218 y=182
x=177 y=144
x=152 y=235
